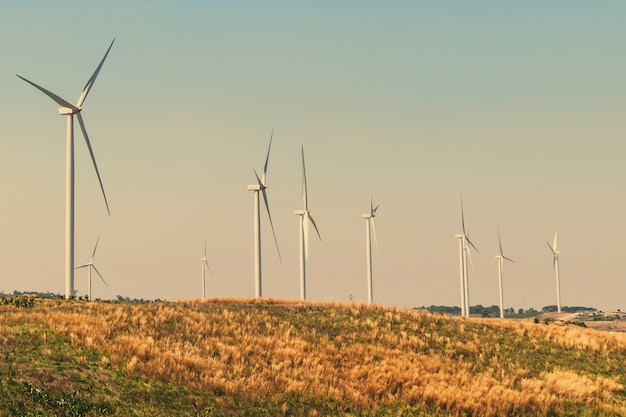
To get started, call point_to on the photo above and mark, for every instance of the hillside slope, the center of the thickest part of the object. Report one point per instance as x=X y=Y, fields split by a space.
x=247 y=357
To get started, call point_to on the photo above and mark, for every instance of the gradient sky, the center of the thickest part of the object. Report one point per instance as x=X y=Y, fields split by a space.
x=518 y=104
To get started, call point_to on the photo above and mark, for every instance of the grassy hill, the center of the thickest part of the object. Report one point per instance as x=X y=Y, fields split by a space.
x=273 y=358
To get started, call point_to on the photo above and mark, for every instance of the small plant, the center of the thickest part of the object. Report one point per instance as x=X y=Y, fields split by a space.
x=9 y=357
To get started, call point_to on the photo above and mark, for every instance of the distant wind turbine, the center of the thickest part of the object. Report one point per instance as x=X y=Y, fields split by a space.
x=555 y=266
x=500 y=259
x=69 y=110
x=465 y=245
x=204 y=262
x=261 y=186
x=370 y=226
x=91 y=266
x=305 y=217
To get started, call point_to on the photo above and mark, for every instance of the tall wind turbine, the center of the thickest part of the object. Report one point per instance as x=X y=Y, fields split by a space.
x=204 y=264
x=91 y=266
x=555 y=266
x=304 y=231
x=465 y=245
x=369 y=227
x=500 y=259
x=69 y=110
x=261 y=186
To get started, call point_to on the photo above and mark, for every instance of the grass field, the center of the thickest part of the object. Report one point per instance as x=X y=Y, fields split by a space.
x=273 y=358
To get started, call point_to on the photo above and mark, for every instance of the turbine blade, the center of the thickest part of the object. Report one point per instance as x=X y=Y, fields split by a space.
x=374 y=210
x=82 y=266
x=462 y=215
x=508 y=259
x=259 y=180
x=91 y=81
x=93 y=158
x=94 y=248
x=50 y=94
x=305 y=199
x=267 y=158
x=554 y=242
x=375 y=237
x=100 y=275
x=469 y=254
x=471 y=244
x=314 y=225
x=269 y=215
x=205 y=248
x=499 y=241
x=552 y=249
x=208 y=267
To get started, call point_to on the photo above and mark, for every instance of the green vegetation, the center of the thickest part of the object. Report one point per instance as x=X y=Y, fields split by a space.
x=273 y=358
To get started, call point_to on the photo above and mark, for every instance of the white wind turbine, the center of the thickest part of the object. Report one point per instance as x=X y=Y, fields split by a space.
x=370 y=226
x=304 y=231
x=261 y=186
x=69 y=110
x=91 y=266
x=204 y=262
x=465 y=245
x=555 y=266
x=500 y=259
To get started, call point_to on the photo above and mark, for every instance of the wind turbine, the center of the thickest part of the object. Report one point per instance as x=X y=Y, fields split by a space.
x=500 y=259
x=69 y=110
x=91 y=266
x=555 y=266
x=261 y=186
x=465 y=245
x=204 y=264
x=304 y=231
x=370 y=226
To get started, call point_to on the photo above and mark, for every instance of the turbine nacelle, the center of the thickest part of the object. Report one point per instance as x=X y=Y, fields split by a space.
x=64 y=111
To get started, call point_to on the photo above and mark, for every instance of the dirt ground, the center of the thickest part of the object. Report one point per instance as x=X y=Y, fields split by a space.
x=611 y=326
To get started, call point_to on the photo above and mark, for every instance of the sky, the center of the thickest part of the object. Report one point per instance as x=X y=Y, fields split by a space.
x=517 y=105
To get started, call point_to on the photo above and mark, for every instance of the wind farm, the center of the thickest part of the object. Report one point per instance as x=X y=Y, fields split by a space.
x=168 y=166
x=201 y=107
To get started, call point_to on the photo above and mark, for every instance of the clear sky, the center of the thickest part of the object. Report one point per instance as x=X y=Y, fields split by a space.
x=518 y=104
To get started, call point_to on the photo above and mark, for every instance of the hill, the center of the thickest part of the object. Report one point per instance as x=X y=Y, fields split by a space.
x=272 y=358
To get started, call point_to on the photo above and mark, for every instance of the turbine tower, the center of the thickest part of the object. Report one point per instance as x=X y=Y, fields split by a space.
x=555 y=266
x=369 y=227
x=305 y=217
x=261 y=186
x=461 y=238
x=204 y=264
x=70 y=110
x=465 y=254
x=500 y=259
x=91 y=266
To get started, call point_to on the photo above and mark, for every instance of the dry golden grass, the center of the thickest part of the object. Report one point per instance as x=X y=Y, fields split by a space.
x=368 y=356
